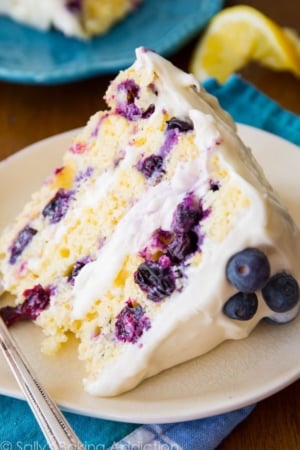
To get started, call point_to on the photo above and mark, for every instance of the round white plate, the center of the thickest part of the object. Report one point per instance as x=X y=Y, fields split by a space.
x=235 y=374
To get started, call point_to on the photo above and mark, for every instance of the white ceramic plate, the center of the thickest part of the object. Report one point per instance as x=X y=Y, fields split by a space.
x=235 y=374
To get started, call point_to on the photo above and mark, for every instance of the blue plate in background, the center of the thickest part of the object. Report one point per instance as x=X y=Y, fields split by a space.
x=35 y=57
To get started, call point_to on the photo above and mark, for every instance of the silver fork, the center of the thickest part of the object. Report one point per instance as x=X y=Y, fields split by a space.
x=54 y=425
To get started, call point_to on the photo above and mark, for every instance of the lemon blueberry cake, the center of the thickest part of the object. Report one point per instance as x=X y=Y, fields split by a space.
x=156 y=239
x=80 y=18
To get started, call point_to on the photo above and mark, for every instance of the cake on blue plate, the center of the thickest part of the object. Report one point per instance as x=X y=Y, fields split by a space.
x=79 y=18
x=156 y=239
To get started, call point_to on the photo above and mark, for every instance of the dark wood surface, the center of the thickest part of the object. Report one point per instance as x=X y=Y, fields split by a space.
x=30 y=113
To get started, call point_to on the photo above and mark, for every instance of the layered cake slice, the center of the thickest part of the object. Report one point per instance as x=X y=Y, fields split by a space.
x=80 y=18
x=156 y=239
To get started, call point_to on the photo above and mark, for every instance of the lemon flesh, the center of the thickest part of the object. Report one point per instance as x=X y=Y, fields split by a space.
x=241 y=34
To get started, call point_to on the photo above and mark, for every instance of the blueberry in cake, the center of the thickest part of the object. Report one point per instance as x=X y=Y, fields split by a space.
x=80 y=18
x=156 y=239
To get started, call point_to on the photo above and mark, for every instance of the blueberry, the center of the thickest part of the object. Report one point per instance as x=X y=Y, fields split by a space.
x=157 y=281
x=74 y=6
x=241 y=306
x=248 y=270
x=187 y=214
x=127 y=107
x=130 y=92
x=181 y=125
x=183 y=245
x=22 y=240
x=131 y=88
x=77 y=268
x=214 y=185
x=131 y=323
x=150 y=165
x=35 y=301
x=10 y=314
x=58 y=206
x=281 y=293
x=148 y=112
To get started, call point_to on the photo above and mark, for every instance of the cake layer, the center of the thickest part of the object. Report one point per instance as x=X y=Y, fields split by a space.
x=157 y=239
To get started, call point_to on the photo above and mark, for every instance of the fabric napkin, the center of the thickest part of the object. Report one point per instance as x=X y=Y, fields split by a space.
x=250 y=106
x=18 y=428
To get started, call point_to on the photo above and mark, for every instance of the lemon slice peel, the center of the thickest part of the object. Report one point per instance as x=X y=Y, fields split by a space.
x=238 y=35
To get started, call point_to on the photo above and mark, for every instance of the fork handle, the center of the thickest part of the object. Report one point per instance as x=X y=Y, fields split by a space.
x=55 y=427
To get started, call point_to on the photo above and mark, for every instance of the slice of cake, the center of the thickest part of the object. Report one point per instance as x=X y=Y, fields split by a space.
x=156 y=239
x=80 y=18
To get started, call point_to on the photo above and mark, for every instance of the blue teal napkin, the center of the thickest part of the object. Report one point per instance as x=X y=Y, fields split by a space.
x=18 y=428
x=250 y=106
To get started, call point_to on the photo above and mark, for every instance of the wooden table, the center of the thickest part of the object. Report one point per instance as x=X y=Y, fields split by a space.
x=31 y=113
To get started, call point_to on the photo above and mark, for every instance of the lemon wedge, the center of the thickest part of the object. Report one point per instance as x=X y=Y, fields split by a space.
x=238 y=35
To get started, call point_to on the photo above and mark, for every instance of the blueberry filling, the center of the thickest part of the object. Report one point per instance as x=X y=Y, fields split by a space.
x=58 y=206
x=35 y=301
x=23 y=239
x=248 y=270
x=241 y=306
x=156 y=281
x=281 y=293
x=131 y=323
